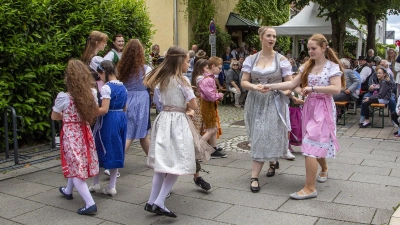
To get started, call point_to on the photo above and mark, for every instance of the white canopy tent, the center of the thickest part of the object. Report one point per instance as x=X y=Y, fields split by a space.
x=306 y=23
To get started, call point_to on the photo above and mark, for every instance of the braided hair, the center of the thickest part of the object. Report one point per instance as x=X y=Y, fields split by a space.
x=108 y=68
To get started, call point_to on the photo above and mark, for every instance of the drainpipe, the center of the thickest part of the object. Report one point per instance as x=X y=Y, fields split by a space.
x=175 y=22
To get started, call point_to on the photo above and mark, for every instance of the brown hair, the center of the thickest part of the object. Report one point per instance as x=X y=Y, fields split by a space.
x=170 y=67
x=384 y=70
x=198 y=70
x=262 y=30
x=108 y=68
x=113 y=40
x=132 y=61
x=78 y=80
x=330 y=55
x=214 y=60
x=94 y=38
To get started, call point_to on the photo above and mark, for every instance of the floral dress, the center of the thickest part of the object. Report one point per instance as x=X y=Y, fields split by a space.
x=318 y=126
x=77 y=148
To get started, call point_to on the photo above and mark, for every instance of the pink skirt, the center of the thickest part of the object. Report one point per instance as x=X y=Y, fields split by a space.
x=295 y=121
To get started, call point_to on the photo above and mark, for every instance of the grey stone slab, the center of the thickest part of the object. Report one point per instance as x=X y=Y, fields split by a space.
x=355 y=149
x=367 y=156
x=54 y=198
x=124 y=213
x=189 y=189
x=395 y=173
x=382 y=164
x=47 y=164
x=333 y=174
x=323 y=221
x=361 y=143
x=132 y=180
x=391 y=143
x=109 y=223
x=221 y=161
x=131 y=195
x=240 y=156
x=22 y=188
x=341 y=167
x=7 y=222
x=195 y=207
x=258 y=216
x=12 y=206
x=45 y=177
x=235 y=197
x=393 y=154
x=240 y=164
x=329 y=210
x=376 y=179
x=134 y=164
x=387 y=147
x=381 y=197
x=51 y=215
x=185 y=220
x=348 y=160
x=382 y=216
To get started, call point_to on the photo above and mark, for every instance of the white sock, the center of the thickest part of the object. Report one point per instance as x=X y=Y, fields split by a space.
x=167 y=185
x=70 y=187
x=96 y=179
x=83 y=190
x=113 y=178
x=158 y=180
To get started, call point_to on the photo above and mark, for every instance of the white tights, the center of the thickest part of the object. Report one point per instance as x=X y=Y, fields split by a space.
x=82 y=188
x=113 y=178
x=162 y=185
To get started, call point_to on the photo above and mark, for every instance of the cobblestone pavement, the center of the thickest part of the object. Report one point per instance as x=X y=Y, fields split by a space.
x=363 y=186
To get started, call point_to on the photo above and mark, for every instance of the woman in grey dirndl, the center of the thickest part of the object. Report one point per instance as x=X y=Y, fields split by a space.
x=266 y=114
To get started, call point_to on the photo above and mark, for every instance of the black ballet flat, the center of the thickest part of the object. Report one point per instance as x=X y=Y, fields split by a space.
x=149 y=208
x=273 y=167
x=157 y=209
x=252 y=188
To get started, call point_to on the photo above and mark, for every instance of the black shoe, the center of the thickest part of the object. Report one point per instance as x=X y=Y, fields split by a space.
x=157 y=209
x=149 y=208
x=217 y=154
x=219 y=149
x=67 y=196
x=252 y=188
x=88 y=211
x=200 y=182
x=395 y=133
x=272 y=167
x=365 y=125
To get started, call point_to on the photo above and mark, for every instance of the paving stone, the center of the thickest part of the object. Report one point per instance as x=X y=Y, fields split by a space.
x=235 y=197
x=382 y=164
x=196 y=207
x=185 y=220
x=47 y=216
x=131 y=195
x=13 y=206
x=257 y=216
x=356 y=149
x=125 y=213
x=395 y=173
x=333 y=174
x=7 y=222
x=368 y=156
x=45 y=177
x=323 y=221
x=131 y=180
x=382 y=216
x=348 y=160
x=329 y=210
x=376 y=179
x=333 y=166
x=393 y=154
x=21 y=188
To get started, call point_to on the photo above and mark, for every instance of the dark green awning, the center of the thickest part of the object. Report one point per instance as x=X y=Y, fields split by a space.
x=236 y=22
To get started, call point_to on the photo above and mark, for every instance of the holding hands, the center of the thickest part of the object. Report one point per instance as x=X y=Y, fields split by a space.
x=306 y=91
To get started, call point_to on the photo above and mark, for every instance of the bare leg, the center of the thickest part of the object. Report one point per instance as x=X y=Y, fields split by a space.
x=255 y=171
x=211 y=136
x=145 y=143
x=311 y=175
x=324 y=166
x=127 y=145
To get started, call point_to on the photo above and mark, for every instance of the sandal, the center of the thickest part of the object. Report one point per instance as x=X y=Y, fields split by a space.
x=252 y=188
x=272 y=167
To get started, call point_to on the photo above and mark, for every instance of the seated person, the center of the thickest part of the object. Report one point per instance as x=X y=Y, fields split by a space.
x=381 y=94
x=233 y=83
x=352 y=82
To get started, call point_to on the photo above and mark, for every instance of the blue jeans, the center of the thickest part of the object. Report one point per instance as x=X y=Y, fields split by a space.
x=391 y=104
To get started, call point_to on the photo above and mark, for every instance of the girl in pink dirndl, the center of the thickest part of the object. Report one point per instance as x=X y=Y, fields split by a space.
x=77 y=109
x=321 y=77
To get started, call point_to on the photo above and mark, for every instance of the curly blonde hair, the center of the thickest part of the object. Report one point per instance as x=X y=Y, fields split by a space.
x=131 y=64
x=79 y=81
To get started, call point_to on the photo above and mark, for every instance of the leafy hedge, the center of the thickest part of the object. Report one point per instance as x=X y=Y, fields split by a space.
x=37 y=39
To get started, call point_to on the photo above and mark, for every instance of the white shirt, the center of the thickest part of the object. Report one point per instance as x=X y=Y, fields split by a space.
x=365 y=72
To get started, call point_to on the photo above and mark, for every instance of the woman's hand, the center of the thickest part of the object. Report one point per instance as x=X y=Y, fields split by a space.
x=306 y=91
x=260 y=88
x=366 y=99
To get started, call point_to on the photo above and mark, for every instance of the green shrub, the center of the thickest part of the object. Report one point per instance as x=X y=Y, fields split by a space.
x=37 y=40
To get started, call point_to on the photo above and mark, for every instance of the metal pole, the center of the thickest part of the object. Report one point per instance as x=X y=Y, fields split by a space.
x=14 y=119
x=176 y=23
x=6 y=133
x=53 y=135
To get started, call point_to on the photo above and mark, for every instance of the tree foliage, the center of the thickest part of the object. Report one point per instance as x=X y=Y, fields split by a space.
x=267 y=13
x=39 y=37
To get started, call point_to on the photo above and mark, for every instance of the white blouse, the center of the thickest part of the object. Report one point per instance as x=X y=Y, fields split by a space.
x=63 y=99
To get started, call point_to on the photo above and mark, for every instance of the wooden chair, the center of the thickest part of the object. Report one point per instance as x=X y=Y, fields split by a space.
x=381 y=109
x=343 y=105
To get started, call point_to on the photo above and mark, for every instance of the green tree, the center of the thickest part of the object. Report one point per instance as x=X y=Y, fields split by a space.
x=267 y=13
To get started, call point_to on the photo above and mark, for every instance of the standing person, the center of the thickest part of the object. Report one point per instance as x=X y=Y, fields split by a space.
x=115 y=53
x=266 y=115
x=391 y=58
x=295 y=135
x=172 y=145
x=233 y=83
x=397 y=75
x=194 y=48
x=77 y=109
x=96 y=42
x=321 y=77
x=154 y=55
x=110 y=129
x=131 y=71
x=209 y=104
x=226 y=58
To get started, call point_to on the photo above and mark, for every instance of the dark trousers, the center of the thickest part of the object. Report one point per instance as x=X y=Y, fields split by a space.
x=395 y=117
x=365 y=106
